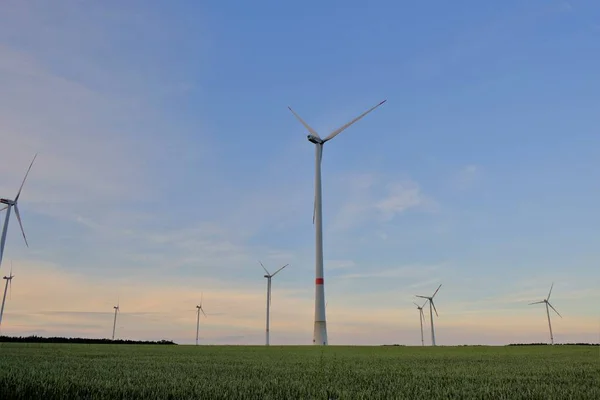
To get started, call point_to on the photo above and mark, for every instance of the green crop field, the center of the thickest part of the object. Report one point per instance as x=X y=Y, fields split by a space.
x=62 y=371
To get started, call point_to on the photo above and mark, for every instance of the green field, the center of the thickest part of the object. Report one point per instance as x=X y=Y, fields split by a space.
x=61 y=371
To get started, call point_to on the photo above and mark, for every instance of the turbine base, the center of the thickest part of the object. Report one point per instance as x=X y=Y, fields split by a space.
x=320 y=333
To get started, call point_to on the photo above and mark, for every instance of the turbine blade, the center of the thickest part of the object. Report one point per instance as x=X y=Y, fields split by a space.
x=340 y=129
x=416 y=304
x=261 y=264
x=22 y=183
x=436 y=291
x=423 y=297
x=311 y=130
x=424 y=304
x=201 y=298
x=203 y=311
x=275 y=273
x=20 y=224
x=554 y=310
x=433 y=304
x=537 y=302
x=3 y=208
x=550 y=292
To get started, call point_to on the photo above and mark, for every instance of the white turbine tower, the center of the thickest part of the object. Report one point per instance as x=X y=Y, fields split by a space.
x=547 y=302
x=198 y=309
x=115 y=321
x=431 y=304
x=7 y=287
x=9 y=205
x=320 y=331
x=421 y=319
x=269 y=276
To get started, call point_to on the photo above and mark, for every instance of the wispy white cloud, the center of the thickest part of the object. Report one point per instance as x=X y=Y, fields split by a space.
x=402 y=196
x=373 y=198
x=467 y=176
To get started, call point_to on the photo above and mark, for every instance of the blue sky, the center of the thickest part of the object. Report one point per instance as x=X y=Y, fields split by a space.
x=169 y=164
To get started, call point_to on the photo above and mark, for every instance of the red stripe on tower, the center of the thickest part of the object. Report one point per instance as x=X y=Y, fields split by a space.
x=319 y=281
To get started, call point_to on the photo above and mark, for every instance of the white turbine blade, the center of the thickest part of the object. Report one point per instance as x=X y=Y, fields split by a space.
x=201 y=298
x=337 y=131
x=434 y=309
x=423 y=297
x=416 y=304
x=22 y=183
x=202 y=311
x=3 y=208
x=555 y=310
x=436 y=291
x=275 y=273
x=10 y=288
x=550 y=292
x=424 y=304
x=20 y=223
x=311 y=130
x=537 y=302
x=261 y=264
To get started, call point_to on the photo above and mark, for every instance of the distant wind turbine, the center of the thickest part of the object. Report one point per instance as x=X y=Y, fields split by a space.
x=431 y=304
x=320 y=329
x=421 y=318
x=115 y=321
x=269 y=276
x=547 y=302
x=9 y=205
x=7 y=287
x=198 y=309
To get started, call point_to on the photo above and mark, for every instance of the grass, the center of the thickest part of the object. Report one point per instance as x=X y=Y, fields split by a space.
x=66 y=371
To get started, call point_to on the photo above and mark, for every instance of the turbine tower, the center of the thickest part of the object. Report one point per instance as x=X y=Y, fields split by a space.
x=7 y=286
x=269 y=276
x=9 y=205
x=198 y=309
x=320 y=331
x=115 y=321
x=547 y=302
x=431 y=304
x=421 y=319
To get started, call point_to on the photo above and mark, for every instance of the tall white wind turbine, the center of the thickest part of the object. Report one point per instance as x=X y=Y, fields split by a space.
x=269 y=276
x=7 y=287
x=421 y=319
x=431 y=304
x=115 y=320
x=9 y=204
x=198 y=309
x=320 y=331
x=548 y=306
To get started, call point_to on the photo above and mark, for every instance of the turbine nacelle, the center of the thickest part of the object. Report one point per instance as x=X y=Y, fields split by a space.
x=314 y=139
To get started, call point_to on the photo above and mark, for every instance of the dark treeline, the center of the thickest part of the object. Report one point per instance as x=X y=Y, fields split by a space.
x=556 y=344
x=39 y=339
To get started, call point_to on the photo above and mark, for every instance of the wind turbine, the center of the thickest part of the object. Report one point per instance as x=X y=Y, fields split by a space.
x=198 y=309
x=320 y=330
x=547 y=302
x=9 y=205
x=421 y=319
x=115 y=321
x=6 y=287
x=431 y=304
x=269 y=276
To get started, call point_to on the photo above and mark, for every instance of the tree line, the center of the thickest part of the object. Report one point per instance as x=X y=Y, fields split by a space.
x=54 y=339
